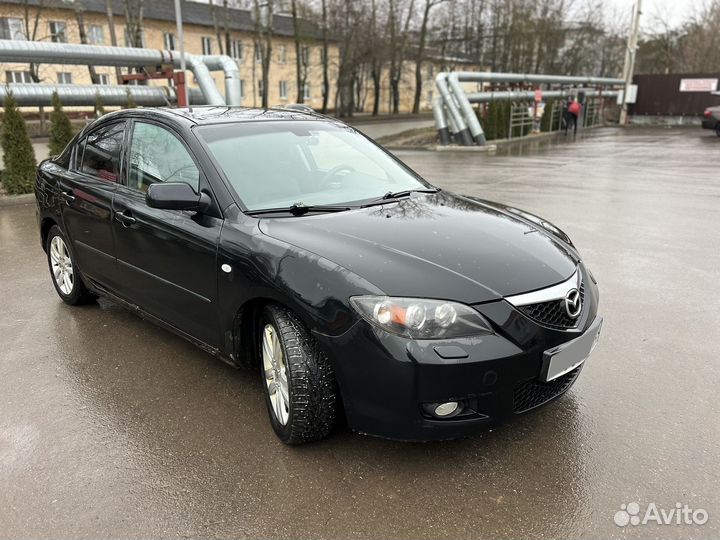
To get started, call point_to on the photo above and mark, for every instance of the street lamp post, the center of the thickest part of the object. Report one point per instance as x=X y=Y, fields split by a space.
x=630 y=54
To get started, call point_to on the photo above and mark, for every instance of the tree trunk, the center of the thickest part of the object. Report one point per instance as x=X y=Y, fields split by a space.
x=263 y=31
x=299 y=79
x=113 y=36
x=216 y=26
x=326 y=60
x=376 y=90
x=83 y=39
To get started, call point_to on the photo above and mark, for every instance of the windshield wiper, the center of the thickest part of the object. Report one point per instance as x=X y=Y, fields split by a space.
x=392 y=195
x=298 y=209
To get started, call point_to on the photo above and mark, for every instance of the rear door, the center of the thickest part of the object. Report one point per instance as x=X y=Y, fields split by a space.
x=166 y=258
x=87 y=191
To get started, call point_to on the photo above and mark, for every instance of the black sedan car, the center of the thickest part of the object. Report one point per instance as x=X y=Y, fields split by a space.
x=287 y=242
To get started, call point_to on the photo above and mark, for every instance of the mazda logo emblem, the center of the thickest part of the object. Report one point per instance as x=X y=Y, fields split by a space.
x=573 y=303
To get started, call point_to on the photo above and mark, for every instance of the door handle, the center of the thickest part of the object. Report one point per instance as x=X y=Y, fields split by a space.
x=125 y=218
x=68 y=197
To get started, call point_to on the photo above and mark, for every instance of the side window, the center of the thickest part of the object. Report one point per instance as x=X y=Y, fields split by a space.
x=156 y=155
x=101 y=156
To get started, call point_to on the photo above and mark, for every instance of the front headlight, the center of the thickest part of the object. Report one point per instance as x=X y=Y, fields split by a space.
x=420 y=318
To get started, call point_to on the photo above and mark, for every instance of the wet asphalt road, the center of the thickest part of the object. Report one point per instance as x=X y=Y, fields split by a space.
x=112 y=427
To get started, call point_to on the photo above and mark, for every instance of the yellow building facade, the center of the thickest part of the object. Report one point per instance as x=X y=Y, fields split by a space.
x=60 y=24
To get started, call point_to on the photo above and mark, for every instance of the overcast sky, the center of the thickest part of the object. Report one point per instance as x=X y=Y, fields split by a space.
x=674 y=11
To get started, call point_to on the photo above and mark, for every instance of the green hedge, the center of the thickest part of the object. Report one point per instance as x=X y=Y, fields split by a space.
x=18 y=154
x=61 y=131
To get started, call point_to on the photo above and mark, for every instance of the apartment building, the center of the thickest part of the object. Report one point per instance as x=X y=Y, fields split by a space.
x=57 y=21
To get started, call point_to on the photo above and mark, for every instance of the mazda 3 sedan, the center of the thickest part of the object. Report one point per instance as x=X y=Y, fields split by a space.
x=287 y=242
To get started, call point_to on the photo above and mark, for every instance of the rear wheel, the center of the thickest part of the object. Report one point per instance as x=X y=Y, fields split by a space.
x=64 y=272
x=298 y=380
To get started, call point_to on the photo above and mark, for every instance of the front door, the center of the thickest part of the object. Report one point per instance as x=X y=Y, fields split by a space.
x=166 y=258
x=87 y=190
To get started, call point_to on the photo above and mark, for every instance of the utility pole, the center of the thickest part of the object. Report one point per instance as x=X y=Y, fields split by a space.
x=630 y=54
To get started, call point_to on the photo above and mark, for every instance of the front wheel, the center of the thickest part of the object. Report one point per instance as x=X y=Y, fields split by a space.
x=298 y=380
x=63 y=270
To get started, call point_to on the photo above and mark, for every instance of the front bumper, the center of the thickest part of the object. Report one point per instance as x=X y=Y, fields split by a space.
x=710 y=123
x=385 y=379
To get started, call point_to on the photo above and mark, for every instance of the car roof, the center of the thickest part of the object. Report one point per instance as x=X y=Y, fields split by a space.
x=208 y=114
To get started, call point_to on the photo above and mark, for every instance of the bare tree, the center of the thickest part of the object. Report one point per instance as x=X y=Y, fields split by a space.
x=429 y=4
x=325 y=57
x=263 y=43
x=79 y=18
x=301 y=53
x=134 y=22
x=113 y=37
x=377 y=54
x=216 y=27
x=32 y=26
x=397 y=44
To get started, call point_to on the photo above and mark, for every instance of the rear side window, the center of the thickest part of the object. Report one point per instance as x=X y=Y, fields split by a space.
x=156 y=155
x=101 y=155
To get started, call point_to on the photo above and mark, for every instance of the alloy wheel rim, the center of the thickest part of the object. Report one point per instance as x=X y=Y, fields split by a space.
x=62 y=267
x=275 y=372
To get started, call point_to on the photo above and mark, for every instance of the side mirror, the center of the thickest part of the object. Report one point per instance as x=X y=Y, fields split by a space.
x=176 y=196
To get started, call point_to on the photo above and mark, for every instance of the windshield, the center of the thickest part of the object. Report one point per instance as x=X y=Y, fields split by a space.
x=276 y=164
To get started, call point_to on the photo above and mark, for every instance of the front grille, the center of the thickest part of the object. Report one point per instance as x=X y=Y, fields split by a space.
x=553 y=313
x=533 y=392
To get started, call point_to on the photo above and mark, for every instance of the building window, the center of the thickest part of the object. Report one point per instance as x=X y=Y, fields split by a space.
x=103 y=78
x=242 y=88
x=283 y=89
x=236 y=49
x=95 y=34
x=18 y=77
x=282 y=54
x=258 y=53
x=57 y=32
x=322 y=56
x=64 y=77
x=305 y=54
x=430 y=97
x=169 y=41
x=12 y=29
x=431 y=70
x=306 y=91
x=206 y=45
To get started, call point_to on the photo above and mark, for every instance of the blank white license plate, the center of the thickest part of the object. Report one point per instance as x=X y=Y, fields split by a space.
x=564 y=358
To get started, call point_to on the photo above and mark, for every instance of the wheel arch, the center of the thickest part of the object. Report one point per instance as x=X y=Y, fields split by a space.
x=46 y=224
x=246 y=325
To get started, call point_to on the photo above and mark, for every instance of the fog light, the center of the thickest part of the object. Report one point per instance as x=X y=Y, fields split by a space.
x=446 y=409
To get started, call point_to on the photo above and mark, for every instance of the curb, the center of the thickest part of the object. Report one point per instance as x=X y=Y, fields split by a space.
x=16 y=200
x=450 y=148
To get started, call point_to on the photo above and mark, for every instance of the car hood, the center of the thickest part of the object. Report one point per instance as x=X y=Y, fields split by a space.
x=434 y=245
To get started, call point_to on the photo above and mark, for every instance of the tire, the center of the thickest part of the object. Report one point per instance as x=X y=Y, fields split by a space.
x=717 y=129
x=301 y=372
x=63 y=271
